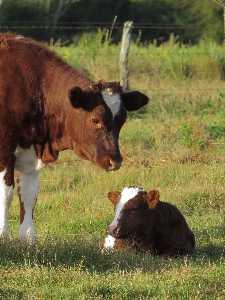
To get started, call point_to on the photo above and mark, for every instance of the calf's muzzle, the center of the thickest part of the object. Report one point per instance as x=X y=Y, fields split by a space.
x=112 y=230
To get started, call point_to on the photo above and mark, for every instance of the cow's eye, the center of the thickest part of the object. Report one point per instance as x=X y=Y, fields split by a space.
x=95 y=121
x=135 y=209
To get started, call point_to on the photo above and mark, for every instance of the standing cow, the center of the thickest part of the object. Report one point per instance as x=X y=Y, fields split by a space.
x=47 y=106
x=143 y=222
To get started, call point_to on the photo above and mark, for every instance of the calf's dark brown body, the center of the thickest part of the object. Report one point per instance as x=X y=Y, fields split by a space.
x=146 y=223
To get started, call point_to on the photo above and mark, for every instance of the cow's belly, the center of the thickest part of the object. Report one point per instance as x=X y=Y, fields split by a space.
x=27 y=160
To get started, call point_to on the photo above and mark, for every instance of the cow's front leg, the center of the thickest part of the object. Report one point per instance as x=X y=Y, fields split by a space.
x=6 y=196
x=27 y=191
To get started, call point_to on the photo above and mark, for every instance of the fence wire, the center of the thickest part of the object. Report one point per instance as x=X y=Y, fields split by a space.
x=205 y=70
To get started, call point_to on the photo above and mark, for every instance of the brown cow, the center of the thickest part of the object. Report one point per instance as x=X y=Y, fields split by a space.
x=47 y=106
x=143 y=222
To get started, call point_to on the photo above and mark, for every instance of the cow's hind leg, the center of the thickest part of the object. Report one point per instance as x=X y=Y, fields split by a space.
x=27 y=192
x=6 y=196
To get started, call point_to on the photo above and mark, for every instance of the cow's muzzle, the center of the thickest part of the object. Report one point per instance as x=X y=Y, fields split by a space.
x=114 y=165
x=108 y=163
x=113 y=230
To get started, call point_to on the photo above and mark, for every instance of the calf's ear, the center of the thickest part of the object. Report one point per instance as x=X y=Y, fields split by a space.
x=114 y=197
x=77 y=97
x=134 y=100
x=152 y=198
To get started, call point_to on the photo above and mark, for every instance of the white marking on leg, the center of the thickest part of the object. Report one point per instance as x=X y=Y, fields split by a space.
x=113 y=101
x=108 y=245
x=109 y=242
x=27 y=168
x=28 y=191
x=6 y=196
x=126 y=195
x=27 y=160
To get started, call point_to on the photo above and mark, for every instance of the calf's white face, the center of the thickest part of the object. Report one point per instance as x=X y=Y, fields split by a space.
x=127 y=194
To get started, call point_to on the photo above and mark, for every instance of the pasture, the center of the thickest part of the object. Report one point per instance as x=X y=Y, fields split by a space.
x=175 y=145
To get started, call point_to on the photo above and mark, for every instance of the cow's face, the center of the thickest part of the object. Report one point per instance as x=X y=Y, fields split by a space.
x=134 y=212
x=97 y=118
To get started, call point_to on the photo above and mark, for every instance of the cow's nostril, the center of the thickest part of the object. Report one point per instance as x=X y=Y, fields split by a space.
x=114 y=165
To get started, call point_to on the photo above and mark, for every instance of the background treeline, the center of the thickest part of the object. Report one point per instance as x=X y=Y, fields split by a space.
x=191 y=20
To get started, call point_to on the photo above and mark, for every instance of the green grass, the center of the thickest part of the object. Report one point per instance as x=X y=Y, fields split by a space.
x=175 y=145
x=73 y=213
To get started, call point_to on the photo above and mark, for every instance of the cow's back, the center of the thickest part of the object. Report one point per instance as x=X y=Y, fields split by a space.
x=30 y=74
x=22 y=65
x=34 y=81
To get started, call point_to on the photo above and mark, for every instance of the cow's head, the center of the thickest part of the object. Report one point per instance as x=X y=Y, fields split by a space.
x=134 y=211
x=98 y=115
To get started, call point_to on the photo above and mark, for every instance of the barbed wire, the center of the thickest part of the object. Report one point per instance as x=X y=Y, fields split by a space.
x=94 y=25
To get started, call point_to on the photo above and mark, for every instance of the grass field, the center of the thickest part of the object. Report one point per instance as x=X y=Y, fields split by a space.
x=175 y=145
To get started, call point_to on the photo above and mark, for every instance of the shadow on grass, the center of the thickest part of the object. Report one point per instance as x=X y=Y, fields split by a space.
x=10 y=294
x=85 y=255
x=205 y=241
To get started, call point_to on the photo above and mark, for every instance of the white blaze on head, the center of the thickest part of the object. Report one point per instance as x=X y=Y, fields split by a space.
x=127 y=194
x=112 y=100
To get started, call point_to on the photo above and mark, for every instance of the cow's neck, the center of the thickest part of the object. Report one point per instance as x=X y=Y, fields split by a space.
x=60 y=79
x=55 y=139
x=58 y=110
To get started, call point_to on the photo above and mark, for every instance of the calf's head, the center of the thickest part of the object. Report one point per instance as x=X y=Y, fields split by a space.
x=134 y=212
x=100 y=112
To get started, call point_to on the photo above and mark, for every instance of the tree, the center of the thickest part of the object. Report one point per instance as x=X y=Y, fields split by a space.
x=1 y=2
x=191 y=20
x=23 y=14
x=199 y=20
x=54 y=10
x=222 y=2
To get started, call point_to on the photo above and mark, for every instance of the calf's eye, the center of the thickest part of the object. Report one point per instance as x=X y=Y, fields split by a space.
x=135 y=209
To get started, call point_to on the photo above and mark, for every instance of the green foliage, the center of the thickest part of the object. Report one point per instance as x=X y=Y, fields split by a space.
x=191 y=20
x=94 y=54
x=216 y=130
x=177 y=60
x=187 y=136
x=205 y=18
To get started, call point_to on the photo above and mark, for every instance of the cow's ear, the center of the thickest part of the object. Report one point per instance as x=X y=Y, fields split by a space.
x=114 y=197
x=77 y=97
x=134 y=100
x=152 y=198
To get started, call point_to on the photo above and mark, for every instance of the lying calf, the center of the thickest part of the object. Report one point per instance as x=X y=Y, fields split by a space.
x=143 y=222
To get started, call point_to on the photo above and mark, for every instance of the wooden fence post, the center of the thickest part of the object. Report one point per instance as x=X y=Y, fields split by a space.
x=124 y=51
